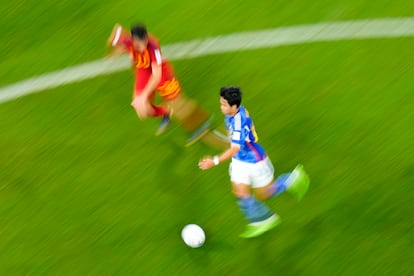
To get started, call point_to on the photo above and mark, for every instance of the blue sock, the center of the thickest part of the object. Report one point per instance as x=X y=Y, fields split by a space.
x=254 y=210
x=280 y=185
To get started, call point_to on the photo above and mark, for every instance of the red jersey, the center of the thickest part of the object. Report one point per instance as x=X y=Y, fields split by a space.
x=168 y=87
x=152 y=54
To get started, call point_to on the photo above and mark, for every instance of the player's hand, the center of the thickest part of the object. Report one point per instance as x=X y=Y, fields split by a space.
x=141 y=106
x=206 y=163
x=115 y=52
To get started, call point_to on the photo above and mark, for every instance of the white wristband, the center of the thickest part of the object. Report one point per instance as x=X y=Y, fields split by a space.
x=216 y=160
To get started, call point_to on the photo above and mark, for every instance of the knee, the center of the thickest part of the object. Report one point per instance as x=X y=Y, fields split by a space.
x=261 y=195
x=239 y=194
x=141 y=108
x=241 y=190
x=142 y=115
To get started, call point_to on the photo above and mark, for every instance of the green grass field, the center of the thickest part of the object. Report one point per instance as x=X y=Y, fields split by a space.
x=86 y=188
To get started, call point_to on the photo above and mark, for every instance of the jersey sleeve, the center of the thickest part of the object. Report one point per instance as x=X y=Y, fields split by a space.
x=155 y=52
x=238 y=136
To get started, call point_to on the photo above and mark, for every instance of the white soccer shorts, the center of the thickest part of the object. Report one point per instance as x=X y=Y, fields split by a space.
x=256 y=175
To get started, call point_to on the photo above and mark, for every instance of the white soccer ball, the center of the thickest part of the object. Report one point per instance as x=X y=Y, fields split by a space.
x=193 y=235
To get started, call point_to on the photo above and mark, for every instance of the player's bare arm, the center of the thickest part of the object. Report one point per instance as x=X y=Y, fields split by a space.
x=141 y=102
x=154 y=79
x=209 y=162
x=113 y=42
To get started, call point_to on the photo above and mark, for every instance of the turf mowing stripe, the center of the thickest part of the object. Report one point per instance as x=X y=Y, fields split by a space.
x=347 y=30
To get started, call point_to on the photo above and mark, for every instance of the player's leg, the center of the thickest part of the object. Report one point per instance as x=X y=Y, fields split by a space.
x=260 y=218
x=144 y=106
x=160 y=111
x=295 y=182
x=188 y=112
x=216 y=139
x=262 y=179
x=198 y=122
x=192 y=117
x=252 y=209
x=298 y=182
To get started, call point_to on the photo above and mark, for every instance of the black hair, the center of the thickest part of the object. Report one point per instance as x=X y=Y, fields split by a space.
x=232 y=94
x=139 y=31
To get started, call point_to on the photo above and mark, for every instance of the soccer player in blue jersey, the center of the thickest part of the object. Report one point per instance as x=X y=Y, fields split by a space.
x=251 y=171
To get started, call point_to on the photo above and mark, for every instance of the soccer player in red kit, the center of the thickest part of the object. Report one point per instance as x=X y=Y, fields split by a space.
x=154 y=73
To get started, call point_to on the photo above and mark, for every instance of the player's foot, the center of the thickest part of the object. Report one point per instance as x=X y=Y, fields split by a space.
x=165 y=122
x=199 y=133
x=258 y=228
x=299 y=182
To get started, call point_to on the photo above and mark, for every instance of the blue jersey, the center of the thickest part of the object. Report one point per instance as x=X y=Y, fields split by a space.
x=242 y=132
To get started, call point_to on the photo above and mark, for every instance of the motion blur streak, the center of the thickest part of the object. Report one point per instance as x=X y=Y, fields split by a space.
x=360 y=29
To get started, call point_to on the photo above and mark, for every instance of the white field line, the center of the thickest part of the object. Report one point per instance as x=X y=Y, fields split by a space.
x=347 y=30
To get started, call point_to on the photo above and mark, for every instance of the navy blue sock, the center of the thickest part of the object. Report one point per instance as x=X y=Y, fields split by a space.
x=254 y=210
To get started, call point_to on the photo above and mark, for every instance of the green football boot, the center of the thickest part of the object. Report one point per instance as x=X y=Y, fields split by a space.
x=258 y=228
x=299 y=182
